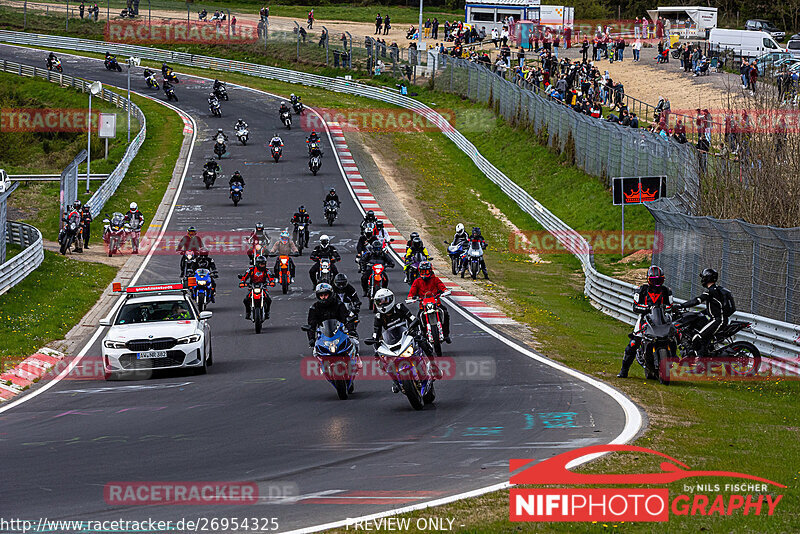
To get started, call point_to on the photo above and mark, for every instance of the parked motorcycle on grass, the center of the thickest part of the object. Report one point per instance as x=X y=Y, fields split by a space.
x=337 y=354
x=115 y=230
x=70 y=233
x=432 y=319
x=658 y=346
x=456 y=252
x=473 y=259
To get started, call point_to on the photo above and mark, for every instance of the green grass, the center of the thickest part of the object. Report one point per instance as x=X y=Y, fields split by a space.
x=47 y=304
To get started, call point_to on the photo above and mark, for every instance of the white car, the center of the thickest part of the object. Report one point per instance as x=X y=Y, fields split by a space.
x=157 y=327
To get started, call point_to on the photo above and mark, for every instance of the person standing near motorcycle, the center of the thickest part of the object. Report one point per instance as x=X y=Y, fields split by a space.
x=653 y=293
x=86 y=223
x=346 y=292
x=719 y=307
x=323 y=251
x=460 y=236
x=372 y=254
x=204 y=261
x=135 y=219
x=475 y=237
x=258 y=273
x=284 y=247
x=301 y=216
x=414 y=247
x=429 y=285
x=332 y=196
x=328 y=307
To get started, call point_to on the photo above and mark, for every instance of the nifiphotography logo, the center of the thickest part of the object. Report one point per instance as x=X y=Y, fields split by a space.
x=631 y=504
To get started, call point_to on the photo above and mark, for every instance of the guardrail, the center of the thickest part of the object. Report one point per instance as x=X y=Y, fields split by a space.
x=113 y=180
x=24 y=263
x=609 y=295
x=48 y=177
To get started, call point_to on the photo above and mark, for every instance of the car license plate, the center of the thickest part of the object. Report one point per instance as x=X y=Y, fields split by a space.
x=149 y=355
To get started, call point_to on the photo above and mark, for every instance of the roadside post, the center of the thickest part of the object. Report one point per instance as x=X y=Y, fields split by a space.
x=636 y=190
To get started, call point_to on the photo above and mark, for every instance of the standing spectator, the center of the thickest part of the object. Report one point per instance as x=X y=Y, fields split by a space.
x=636 y=29
x=82 y=8
x=378 y=24
x=310 y=21
x=637 y=49
x=753 y=76
x=435 y=27
x=387 y=25
x=645 y=28
x=687 y=59
x=266 y=15
x=659 y=28
x=344 y=41
x=556 y=41
x=504 y=36
x=427 y=32
x=621 y=48
x=585 y=49
x=495 y=37
x=567 y=37
x=323 y=39
x=744 y=70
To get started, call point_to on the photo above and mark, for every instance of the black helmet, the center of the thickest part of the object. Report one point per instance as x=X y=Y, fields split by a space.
x=340 y=281
x=379 y=225
x=324 y=292
x=655 y=276
x=416 y=242
x=237 y=173
x=333 y=190
x=301 y=209
x=259 y=226
x=261 y=262
x=413 y=236
x=191 y=230
x=709 y=276
x=370 y=213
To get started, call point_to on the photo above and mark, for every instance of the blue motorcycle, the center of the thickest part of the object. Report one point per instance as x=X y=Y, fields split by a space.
x=337 y=355
x=203 y=291
x=236 y=193
x=456 y=252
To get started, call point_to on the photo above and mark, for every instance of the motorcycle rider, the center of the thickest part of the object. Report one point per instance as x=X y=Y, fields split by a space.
x=284 y=247
x=135 y=218
x=86 y=222
x=380 y=232
x=166 y=86
x=646 y=296
x=236 y=177
x=327 y=307
x=323 y=251
x=213 y=166
x=372 y=254
x=240 y=125
x=147 y=73
x=415 y=246
x=313 y=151
x=283 y=109
x=475 y=237
x=332 y=196
x=165 y=70
x=313 y=137
x=293 y=98
x=460 y=236
x=51 y=59
x=429 y=285
x=258 y=235
x=346 y=292
x=258 y=273
x=220 y=133
x=204 y=261
x=191 y=241
x=276 y=141
x=389 y=314
x=364 y=240
x=301 y=216
x=110 y=58
x=188 y=264
x=719 y=306
x=369 y=218
x=217 y=85
x=213 y=102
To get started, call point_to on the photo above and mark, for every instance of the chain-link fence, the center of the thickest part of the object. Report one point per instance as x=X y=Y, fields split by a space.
x=758 y=263
x=600 y=148
x=68 y=193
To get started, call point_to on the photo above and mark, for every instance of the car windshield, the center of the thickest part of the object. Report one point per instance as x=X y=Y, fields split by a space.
x=329 y=328
x=393 y=335
x=794 y=45
x=154 y=312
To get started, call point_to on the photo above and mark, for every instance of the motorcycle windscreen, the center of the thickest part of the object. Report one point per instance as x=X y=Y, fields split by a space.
x=329 y=328
x=658 y=322
x=202 y=273
x=394 y=335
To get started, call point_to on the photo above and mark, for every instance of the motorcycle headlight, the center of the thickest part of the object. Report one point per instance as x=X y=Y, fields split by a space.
x=332 y=346
x=408 y=352
x=201 y=283
x=111 y=344
x=194 y=338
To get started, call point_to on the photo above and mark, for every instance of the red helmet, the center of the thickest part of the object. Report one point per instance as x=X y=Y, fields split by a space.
x=655 y=276
x=425 y=270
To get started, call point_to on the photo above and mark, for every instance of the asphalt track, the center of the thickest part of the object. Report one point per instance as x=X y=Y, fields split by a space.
x=253 y=417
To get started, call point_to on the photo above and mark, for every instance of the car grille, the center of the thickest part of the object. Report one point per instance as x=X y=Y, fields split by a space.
x=173 y=359
x=141 y=345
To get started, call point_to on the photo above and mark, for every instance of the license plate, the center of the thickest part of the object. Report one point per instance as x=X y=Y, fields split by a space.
x=151 y=354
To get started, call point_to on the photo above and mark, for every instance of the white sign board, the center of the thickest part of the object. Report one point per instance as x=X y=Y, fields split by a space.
x=5 y=181
x=108 y=125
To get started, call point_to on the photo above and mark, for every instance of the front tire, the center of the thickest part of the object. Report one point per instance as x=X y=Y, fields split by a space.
x=341 y=388
x=430 y=395
x=285 y=285
x=411 y=389
x=663 y=368
x=454 y=265
x=258 y=319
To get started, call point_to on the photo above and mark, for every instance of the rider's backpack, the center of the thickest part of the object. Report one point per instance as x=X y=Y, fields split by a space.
x=728 y=304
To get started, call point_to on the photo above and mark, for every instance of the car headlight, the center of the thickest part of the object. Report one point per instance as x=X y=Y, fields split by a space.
x=194 y=338
x=111 y=344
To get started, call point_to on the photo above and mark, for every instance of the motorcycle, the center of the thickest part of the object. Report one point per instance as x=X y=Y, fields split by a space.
x=256 y=250
x=404 y=360
x=473 y=258
x=151 y=82
x=243 y=134
x=236 y=193
x=170 y=92
x=170 y=76
x=55 y=65
x=219 y=147
x=721 y=346
x=300 y=238
x=215 y=108
x=203 y=291
x=276 y=151
x=114 y=232
x=112 y=64
x=658 y=346
x=209 y=177
x=286 y=119
x=455 y=252
x=413 y=262
x=337 y=354
x=325 y=273
x=298 y=107
x=70 y=233
x=377 y=280
x=284 y=274
x=221 y=92
x=331 y=212
x=257 y=296
x=432 y=318
x=314 y=163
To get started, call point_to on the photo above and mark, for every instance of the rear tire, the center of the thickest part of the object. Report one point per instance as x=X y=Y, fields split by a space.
x=746 y=352
x=412 y=392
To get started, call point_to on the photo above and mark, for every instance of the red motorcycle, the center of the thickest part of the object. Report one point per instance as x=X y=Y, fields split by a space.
x=377 y=280
x=284 y=274
x=432 y=318
x=256 y=250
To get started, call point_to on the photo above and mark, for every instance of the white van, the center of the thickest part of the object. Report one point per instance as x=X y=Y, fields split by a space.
x=743 y=43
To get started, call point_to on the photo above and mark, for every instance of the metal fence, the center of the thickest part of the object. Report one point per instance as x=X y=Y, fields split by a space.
x=611 y=296
x=110 y=185
x=24 y=263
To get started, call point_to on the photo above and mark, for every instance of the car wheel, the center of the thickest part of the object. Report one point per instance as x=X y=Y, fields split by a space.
x=203 y=369
x=210 y=356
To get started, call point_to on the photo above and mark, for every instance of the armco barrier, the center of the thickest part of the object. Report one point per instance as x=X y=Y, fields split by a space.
x=110 y=185
x=24 y=263
x=611 y=296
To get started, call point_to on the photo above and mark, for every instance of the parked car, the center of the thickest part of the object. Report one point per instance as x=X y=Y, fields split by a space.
x=793 y=46
x=769 y=62
x=747 y=44
x=761 y=25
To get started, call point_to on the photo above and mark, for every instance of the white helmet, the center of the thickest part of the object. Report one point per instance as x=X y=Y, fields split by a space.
x=459 y=228
x=134 y=206
x=384 y=300
x=324 y=240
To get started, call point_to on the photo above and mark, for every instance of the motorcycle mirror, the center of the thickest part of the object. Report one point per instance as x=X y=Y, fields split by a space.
x=305 y=328
x=371 y=341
